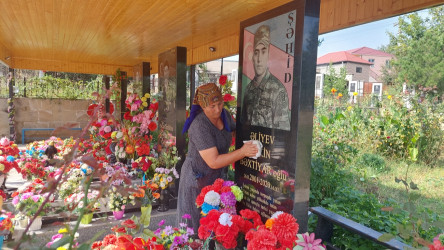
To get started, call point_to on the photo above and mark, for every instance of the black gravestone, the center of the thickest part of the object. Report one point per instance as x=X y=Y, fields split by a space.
x=277 y=53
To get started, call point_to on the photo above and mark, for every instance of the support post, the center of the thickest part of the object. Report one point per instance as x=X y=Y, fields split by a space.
x=123 y=93
x=106 y=81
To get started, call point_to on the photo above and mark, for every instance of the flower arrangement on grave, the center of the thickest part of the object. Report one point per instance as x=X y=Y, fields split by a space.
x=173 y=237
x=102 y=129
x=29 y=202
x=280 y=232
x=124 y=238
x=140 y=117
x=438 y=242
x=72 y=183
x=117 y=174
x=165 y=176
x=33 y=168
x=221 y=195
x=75 y=201
x=147 y=193
x=6 y=222
x=8 y=155
x=117 y=201
x=227 y=229
x=230 y=102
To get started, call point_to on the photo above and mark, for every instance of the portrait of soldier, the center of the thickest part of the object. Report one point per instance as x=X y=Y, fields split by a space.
x=265 y=100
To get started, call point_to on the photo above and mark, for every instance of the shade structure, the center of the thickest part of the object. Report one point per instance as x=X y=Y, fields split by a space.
x=99 y=36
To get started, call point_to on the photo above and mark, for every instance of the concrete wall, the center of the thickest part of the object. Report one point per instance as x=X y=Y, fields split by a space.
x=44 y=113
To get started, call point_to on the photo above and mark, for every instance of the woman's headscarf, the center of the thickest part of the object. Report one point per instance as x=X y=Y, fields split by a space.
x=205 y=95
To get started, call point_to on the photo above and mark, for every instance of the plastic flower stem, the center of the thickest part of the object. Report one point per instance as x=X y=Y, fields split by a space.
x=82 y=211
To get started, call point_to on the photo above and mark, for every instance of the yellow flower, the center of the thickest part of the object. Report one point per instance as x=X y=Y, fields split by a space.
x=61 y=248
x=143 y=99
x=349 y=108
x=147 y=95
x=333 y=90
x=2 y=167
x=389 y=97
x=145 y=104
x=339 y=95
x=63 y=230
x=355 y=93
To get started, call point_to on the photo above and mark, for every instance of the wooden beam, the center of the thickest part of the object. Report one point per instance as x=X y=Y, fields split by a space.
x=73 y=67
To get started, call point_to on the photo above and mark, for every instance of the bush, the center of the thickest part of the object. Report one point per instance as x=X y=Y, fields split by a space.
x=372 y=161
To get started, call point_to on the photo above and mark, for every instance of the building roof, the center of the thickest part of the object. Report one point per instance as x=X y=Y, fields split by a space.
x=369 y=52
x=338 y=57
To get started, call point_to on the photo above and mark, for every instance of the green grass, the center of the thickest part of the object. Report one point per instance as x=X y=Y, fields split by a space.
x=430 y=182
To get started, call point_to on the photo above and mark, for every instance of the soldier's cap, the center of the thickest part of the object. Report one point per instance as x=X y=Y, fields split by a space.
x=262 y=35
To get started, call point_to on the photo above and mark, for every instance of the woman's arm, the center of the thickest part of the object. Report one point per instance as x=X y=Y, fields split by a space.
x=215 y=160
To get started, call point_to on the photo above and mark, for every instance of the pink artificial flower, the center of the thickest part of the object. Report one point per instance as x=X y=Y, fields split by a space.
x=134 y=107
x=35 y=198
x=107 y=129
x=308 y=242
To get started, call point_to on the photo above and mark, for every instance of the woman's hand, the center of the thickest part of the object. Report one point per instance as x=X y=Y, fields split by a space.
x=249 y=149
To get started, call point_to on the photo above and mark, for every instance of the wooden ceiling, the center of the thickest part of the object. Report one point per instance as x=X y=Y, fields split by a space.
x=99 y=36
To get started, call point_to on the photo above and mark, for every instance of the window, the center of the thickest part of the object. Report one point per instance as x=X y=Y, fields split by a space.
x=358 y=70
x=371 y=60
x=387 y=63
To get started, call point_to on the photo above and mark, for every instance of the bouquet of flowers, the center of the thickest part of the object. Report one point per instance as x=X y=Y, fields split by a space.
x=33 y=168
x=141 y=114
x=147 y=193
x=221 y=195
x=75 y=201
x=117 y=174
x=6 y=222
x=173 y=237
x=123 y=238
x=8 y=154
x=280 y=232
x=164 y=176
x=73 y=180
x=29 y=202
x=226 y=228
x=117 y=201
x=230 y=102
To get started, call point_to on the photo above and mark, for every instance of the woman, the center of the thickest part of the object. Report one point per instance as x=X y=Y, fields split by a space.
x=209 y=129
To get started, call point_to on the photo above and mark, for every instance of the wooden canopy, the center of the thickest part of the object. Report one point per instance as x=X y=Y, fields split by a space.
x=99 y=36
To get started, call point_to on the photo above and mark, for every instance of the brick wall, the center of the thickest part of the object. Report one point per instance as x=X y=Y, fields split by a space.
x=44 y=113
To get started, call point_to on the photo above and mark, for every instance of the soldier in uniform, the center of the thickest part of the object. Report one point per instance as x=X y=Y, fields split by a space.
x=265 y=100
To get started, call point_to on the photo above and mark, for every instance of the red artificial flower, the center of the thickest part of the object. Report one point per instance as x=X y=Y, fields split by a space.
x=96 y=245
x=285 y=228
x=223 y=80
x=261 y=239
x=152 y=126
x=110 y=239
x=154 y=107
x=208 y=224
x=129 y=224
x=228 y=98
x=117 y=229
x=127 y=116
x=227 y=235
x=225 y=189
x=217 y=185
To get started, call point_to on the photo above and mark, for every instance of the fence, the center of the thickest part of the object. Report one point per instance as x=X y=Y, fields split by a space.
x=50 y=88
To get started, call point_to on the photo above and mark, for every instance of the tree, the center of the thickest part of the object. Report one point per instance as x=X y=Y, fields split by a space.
x=418 y=47
x=335 y=80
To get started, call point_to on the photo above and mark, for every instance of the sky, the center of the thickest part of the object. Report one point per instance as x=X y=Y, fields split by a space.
x=372 y=35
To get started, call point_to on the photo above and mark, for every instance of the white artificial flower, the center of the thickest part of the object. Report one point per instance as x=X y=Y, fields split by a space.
x=276 y=214
x=212 y=198
x=225 y=219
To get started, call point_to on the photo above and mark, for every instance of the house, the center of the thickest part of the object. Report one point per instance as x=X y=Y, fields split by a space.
x=363 y=66
x=378 y=59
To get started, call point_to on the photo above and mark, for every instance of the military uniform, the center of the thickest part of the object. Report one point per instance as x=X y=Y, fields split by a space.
x=265 y=104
